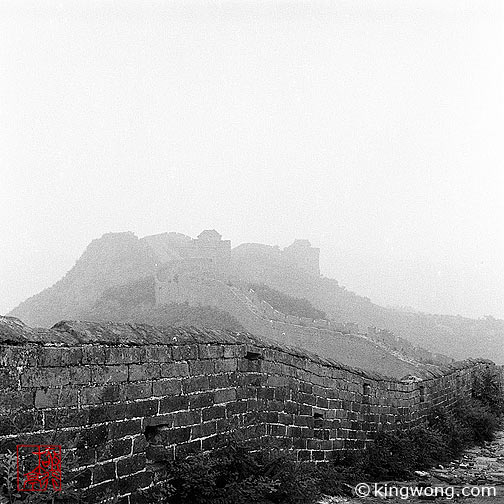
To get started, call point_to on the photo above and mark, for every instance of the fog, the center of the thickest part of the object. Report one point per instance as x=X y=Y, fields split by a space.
x=374 y=129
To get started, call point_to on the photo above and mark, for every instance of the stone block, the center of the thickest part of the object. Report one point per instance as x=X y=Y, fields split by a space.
x=109 y=374
x=174 y=369
x=166 y=387
x=174 y=403
x=204 y=367
x=211 y=351
x=223 y=396
x=143 y=372
x=56 y=398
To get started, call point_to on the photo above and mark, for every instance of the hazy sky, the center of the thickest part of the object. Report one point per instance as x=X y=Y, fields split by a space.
x=372 y=128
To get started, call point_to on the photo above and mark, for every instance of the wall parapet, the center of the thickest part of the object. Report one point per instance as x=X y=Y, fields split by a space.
x=136 y=395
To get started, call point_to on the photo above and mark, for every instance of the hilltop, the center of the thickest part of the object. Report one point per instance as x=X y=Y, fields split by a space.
x=97 y=287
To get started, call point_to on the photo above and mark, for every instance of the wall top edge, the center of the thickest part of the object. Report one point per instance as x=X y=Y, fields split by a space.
x=13 y=332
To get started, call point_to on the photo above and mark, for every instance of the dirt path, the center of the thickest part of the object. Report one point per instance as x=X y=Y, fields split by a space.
x=476 y=478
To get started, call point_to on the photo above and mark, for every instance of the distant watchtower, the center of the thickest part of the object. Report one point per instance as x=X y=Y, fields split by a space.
x=210 y=245
x=304 y=256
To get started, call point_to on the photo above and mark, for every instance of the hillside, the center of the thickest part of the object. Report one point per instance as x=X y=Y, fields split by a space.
x=114 y=259
x=117 y=259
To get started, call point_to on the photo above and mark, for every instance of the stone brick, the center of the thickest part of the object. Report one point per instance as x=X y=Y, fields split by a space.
x=170 y=436
x=124 y=428
x=124 y=355
x=219 y=381
x=11 y=400
x=131 y=465
x=134 y=482
x=142 y=372
x=109 y=374
x=213 y=412
x=182 y=418
x=203 y=430
x=195 y=384
x=185 y=352
x=174 y=369
x=93 y=355
x=226 y=365
x=201 y=400
x=185 y=449
x=159 y=453
x=20 y=421
x=222 y=396
x=174 y=403
x=133 y=391
x=231 y=351
x=44 y=377
x=158 y=354
x=139 y=444
x=111 y=393
x=54 y=398
x=114 y=449
x=112 y=419
x=107 y=413
x=94 y=436
x=204 y=367
x=103 y=472
x=237 y=407
x=69 y=417
x=142 y=408
x=83 y=478
x=211 y=351
x=59 y=357
x=167 y=387
x=80 y=375
x=92 y=395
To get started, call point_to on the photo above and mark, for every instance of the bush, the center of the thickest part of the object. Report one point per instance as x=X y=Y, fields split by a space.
x=392 y=455
x=455 y=434
x=237 y=474
x=487 y=388
x=478 y=421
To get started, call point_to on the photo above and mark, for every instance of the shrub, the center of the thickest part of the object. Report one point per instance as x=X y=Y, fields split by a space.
x=392 y=455
x=478 y=421
x=238 y=474
x=487 y=388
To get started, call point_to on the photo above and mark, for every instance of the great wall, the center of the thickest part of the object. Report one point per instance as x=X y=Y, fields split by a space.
x=134 y=395
x=124 y=398
x=378 y=350
x=203 y=276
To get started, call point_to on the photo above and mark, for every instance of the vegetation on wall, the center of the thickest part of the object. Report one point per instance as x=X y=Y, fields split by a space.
x=285 y=304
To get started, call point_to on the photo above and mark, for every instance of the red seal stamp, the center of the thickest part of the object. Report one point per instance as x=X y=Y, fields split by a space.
x=38 y=468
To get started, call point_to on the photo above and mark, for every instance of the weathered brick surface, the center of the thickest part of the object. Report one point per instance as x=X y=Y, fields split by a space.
x=126 y=395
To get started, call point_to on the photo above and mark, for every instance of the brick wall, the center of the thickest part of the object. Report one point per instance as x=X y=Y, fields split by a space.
x=132 y=395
